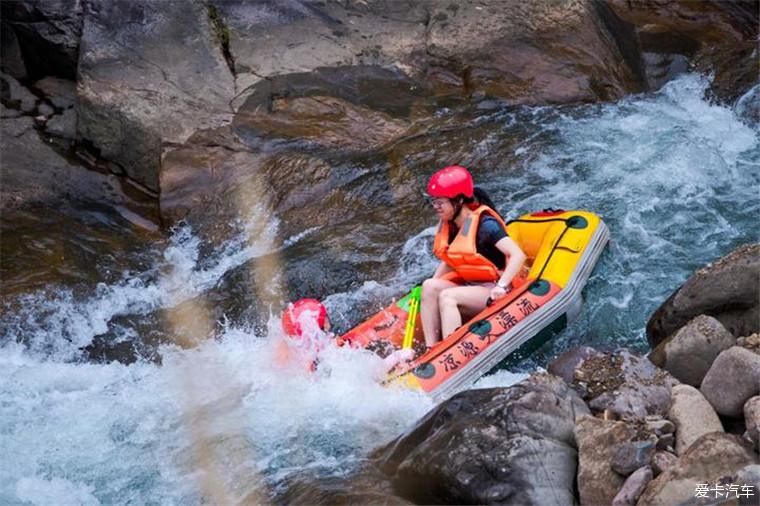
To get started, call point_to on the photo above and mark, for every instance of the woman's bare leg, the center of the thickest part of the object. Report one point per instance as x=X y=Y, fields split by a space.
x=452 y=302
x=430 y=314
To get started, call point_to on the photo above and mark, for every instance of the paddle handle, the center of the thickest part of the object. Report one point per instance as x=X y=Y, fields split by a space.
x=411 y=318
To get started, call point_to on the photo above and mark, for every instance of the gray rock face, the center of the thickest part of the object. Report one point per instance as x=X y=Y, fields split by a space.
x=633 y=487
x=15 y=96
x=149 y=73
x=726 y=290
x=733 y=378
x=690 y=352
x=712 y=455
x=458 y=49
x=597 y=440
x=48 y=35
x=61 y=92
x=484 y=446
x=629 y=386
x=692 y=415
x=63 y=125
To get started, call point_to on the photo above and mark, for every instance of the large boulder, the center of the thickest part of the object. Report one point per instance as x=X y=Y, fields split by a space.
x=484 y=447
x=525 y=52
x=692 y=415
x=733 y=378
x=629 y=386
x=727 y=290
x=150 y=74
x=710 y=458
x=690 y=352
x=365 y=486
x=598 y=439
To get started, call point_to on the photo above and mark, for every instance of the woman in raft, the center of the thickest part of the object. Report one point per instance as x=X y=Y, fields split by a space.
x=306 y=328
x=478 y=259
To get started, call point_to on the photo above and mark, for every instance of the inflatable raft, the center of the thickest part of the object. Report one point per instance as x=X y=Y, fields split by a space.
x=562 y=248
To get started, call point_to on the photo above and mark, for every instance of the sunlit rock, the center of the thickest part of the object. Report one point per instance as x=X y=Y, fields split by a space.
x=733 y=378
x=690 y=352
x=711 y=457
x=693 y=416
x=726 y=289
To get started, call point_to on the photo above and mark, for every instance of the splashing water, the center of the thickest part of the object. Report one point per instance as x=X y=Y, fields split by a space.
x=674 y=176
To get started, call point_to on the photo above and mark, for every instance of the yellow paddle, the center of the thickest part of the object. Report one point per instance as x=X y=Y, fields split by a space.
x=411 y=318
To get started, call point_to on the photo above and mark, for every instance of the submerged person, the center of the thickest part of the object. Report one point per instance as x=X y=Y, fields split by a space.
x=306 y=328
x=478 y=258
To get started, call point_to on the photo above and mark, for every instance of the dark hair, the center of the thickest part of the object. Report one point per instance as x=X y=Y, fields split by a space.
x=481 y=197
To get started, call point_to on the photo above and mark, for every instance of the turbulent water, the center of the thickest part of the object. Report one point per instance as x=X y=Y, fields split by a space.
x=675 y=178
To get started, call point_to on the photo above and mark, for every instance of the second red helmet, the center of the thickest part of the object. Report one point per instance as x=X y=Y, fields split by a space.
x=294 y=314
x=450 y=182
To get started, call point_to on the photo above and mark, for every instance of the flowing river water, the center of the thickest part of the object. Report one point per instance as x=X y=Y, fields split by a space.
x=674 y=176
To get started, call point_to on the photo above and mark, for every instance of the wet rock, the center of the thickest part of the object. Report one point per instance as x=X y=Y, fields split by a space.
x=143 y=84
x=484 y=446
x=726 y=290
x=367 y=486
x=709 y=458
x=11 y=60
x=496 y=50
x=48 y=34
x=325 y=121
x=633 y=487
x=733 y=378
x=63 y=125
x=693 y=416
x=14 y=95
x=564 y=366
x=662 y=461
x=597 y=439
x=629 y=456
x=491 y=47
x=8 y=113
x=61 y=92
x=627 y=385
x=752 y=420
x=716 y=36
x=690 y=352
x=748 y=105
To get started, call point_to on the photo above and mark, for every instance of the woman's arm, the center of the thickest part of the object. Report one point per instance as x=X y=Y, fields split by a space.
x=515 y=259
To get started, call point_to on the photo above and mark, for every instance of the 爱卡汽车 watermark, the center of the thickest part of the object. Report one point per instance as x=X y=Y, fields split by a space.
x=726 y=491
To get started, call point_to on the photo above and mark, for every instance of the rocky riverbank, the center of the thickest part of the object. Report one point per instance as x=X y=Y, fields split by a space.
x=678 y=426
x=183 y=102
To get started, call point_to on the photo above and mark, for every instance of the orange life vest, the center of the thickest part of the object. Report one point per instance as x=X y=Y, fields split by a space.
x=462 y=255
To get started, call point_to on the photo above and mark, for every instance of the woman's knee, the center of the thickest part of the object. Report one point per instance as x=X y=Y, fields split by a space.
x=431 y=287
x=447 y=300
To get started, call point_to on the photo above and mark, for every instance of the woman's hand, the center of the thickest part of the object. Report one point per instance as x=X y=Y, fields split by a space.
x=498 y=292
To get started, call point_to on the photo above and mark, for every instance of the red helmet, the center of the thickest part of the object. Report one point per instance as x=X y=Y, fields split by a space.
x=450 y=182
x=294 y=314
